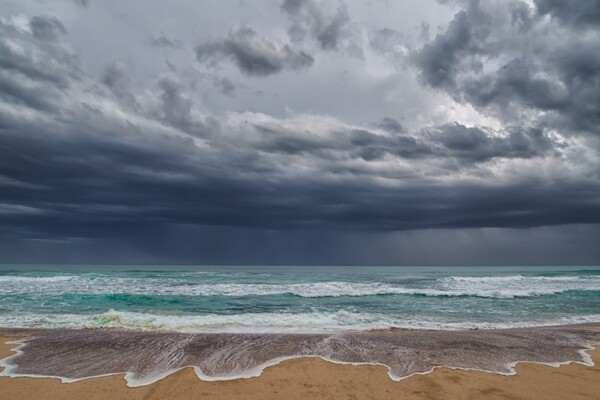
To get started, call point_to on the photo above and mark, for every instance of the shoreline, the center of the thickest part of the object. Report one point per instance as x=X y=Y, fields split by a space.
x=115 y=322
x=586 y=360
x=307 y=376
x=19 y=331
x=580 y=352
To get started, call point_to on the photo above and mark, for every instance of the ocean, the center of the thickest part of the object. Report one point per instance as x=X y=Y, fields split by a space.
x=296 y=299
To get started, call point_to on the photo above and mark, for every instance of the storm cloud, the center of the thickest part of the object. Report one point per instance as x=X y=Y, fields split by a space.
x=330 y=28
x=254 y=54
x=509 y=60
x=245 y=134
x=574 y=12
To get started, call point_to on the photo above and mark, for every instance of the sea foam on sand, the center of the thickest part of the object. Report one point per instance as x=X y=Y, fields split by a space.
x=146 y=357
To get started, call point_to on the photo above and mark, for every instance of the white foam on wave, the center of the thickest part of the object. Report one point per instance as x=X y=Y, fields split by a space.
x=517 y=285
x=8 y=279
x=238 y=323
x=520 y=278
x=478 y=286
x=149 y=286
x=310 y=322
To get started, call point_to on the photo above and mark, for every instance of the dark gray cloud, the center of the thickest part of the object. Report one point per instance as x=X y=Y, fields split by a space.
x=474 y=144
x=517 y=80
x=35 y=78
x=497 y=62
x=116 y=77
x=177 y=109
x=440 y=60
x=391 y=125
x=454 y=143
x=96 y=186
x=89 y=172
x=46 y=28
x=573 y=12
x=254 y=54
x=147 y=165
x=312 y=18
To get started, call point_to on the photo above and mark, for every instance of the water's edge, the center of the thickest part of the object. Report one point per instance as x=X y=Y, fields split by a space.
x=62 y=354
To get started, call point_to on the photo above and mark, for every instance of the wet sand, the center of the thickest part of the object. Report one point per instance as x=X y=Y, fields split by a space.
x=149 y=356
x=313 y=377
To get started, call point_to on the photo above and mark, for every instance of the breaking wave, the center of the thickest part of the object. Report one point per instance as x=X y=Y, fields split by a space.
x=310 y=322
x=501 y=287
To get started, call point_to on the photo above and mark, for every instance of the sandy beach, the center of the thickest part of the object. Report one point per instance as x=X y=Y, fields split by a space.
x=299 y=199
x=315 y=378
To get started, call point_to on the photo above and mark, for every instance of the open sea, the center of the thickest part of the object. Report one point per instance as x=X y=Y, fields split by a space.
x=296 y=299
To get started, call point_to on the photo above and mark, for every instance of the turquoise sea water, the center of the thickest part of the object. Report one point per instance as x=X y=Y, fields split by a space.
x=296 y=299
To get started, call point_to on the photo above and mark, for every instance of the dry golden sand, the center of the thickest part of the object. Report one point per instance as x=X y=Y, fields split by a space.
x=310 y=378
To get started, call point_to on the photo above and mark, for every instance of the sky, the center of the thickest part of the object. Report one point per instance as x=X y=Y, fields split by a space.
x=409 y=132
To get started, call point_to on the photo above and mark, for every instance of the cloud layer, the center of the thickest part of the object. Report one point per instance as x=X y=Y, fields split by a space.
x=496 y=125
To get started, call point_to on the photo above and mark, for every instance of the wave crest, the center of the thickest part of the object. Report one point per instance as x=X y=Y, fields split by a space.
x=310 y=322
x=500 y=287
